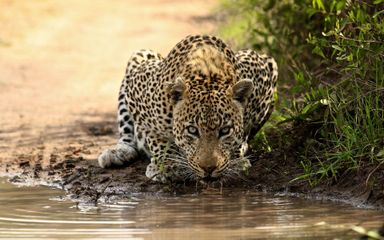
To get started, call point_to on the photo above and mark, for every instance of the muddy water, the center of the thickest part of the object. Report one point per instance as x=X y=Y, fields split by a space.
x=44 y=213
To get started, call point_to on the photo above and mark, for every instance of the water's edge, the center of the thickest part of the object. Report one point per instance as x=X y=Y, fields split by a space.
x=116 y=186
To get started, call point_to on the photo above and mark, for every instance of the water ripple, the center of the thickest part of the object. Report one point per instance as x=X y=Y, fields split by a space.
x=43 y=213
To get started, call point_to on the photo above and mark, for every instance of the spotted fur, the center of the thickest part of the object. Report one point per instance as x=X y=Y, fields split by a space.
x=192 y=112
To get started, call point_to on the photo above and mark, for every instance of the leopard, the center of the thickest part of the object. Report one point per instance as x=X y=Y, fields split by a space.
x=193 y=112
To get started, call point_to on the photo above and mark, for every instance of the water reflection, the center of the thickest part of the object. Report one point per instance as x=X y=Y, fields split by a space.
x=40 y=213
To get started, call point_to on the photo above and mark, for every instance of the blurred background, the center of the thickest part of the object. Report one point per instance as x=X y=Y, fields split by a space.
x=61 y=62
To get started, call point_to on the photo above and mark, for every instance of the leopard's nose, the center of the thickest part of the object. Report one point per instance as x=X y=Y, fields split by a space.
x=209 y=170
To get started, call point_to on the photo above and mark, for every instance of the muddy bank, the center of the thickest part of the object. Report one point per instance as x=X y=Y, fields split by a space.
x=73 y=168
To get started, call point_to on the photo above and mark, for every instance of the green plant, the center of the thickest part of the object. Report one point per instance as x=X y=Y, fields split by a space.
x=351 y=44
x=331 y=61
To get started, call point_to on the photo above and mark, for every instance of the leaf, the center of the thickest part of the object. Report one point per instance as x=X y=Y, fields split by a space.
x=340 y=5
x=312 y=11
x=330 y=33
x=378 y=13
x=337 y=48
x=319 y=4
x=325 y=101
x=317 y=50
x=359 y=230
x=374 y=234
x=309 y=108
x=381 y=153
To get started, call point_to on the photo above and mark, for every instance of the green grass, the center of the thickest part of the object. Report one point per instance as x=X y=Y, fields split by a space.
x=331 y=62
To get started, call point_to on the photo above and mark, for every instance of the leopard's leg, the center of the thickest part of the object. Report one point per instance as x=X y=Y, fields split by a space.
x=126 y=150
x=263 y=71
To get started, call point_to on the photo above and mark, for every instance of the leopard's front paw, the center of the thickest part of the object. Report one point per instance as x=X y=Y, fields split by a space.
x=117 y=156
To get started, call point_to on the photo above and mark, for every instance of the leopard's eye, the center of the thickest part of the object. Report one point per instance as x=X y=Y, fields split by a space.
x=193 y=131
x=225 y=131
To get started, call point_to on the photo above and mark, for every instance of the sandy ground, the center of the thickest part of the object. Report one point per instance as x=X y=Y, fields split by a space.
x=61 y=63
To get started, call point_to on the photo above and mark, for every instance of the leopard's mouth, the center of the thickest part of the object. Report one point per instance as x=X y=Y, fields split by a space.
x=210 y=178
x=208 y=175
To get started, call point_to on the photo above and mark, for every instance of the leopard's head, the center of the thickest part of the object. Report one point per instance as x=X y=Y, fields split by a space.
x=208 y=115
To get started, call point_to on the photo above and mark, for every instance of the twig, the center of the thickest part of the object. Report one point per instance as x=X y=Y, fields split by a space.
x=148 y=180
x=99 y=194
x=370 y=174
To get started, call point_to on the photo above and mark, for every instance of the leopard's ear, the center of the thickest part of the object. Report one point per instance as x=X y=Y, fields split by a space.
x=242 y=89
x=176 y=90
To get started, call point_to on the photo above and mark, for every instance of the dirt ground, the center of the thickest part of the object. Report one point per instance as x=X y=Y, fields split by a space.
x=61 y=63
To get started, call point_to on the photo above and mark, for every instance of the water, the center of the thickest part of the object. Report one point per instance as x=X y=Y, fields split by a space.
x=43 y=213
